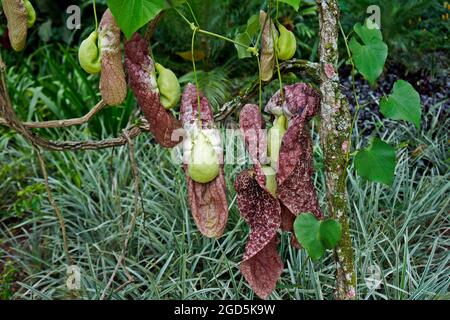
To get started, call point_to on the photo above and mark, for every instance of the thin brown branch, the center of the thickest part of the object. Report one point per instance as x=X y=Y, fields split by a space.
x=62 y=123
x=306 y=68
x=58 y=212
x=136 y=179
x=11 y=119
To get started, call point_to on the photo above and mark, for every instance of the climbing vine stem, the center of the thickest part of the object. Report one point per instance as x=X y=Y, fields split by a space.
x=280 y=81
x=192 y=13
x=355 y=94
x=195 y=77
x=260 y=83
x=212 y=34
x=95 y=14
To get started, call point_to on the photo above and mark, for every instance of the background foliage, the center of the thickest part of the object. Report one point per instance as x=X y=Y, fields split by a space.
x=403 y=229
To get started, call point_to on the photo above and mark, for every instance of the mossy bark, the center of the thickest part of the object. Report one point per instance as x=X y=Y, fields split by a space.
x=335 y=134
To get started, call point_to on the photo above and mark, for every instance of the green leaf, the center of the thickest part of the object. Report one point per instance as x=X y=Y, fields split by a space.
x=253 y=26
x=377 y=162
x=370 y=56
x=242 y=51
x=45 y=31
x=131 y=15
x=173 y=3
x=402 y=104
x=293 y=3
x=367 y=34
x=306 y=228
x=330 y=233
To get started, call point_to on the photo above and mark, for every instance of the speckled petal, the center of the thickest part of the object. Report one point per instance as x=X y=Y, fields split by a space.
x=142 y=80
x=113 y=86
x=208 y=201
x=261 y=264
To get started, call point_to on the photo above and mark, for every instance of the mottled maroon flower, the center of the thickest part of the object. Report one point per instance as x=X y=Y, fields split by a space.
x=208 y=201
x=261 y=264
x=297 y=98
x=294 y=177
x=142 y=80
x=253 y=131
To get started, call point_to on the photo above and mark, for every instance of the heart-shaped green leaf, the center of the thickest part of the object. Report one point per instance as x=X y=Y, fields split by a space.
x=245 y=37
x=370 y=56
x=377 y=162
x=253 y=25
x=316 y=235
x=173 y=3
x=367 y=33
x=306 y=228
x=330 y=233
x=131 y=15
x=402 y=104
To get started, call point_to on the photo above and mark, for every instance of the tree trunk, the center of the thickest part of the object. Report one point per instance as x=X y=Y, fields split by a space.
x=334 y=135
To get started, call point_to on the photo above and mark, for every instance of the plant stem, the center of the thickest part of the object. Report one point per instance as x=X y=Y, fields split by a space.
x=355 y=95
x=199 y=30
x=260 y=84
x=195 y=77
x=223 y=38
x=280 y=81
x=95 y=15
x=192 y=13
x=52 y=202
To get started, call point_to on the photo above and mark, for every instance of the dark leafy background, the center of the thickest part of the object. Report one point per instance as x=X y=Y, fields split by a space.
x=167 y=255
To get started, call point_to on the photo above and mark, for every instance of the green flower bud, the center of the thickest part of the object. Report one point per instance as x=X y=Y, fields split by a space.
x=271 y=179
x=203 y=164
x=17 y=18
x=169 y=88
x=31 y=14
x=275 y=136
x=286 y=45
x=89 y=54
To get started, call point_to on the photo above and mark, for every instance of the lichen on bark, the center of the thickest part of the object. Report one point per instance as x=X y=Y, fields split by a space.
x=334 y=134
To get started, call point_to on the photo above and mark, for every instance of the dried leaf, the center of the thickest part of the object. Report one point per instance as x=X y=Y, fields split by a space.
x=269 y=36
x=187 y=55
x=113 y=86
x=208 y=201
x=142 y=80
